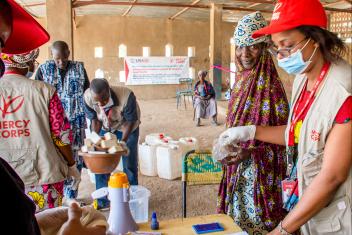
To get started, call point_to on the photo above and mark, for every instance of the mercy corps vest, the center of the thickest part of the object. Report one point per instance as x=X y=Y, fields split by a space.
x=25 y=138
x=70 y=92
x=122 y=94
x=335 y=219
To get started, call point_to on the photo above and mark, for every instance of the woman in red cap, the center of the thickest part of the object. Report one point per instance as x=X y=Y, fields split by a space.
x=317 y=191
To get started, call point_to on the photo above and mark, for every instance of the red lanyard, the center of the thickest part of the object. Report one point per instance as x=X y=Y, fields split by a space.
x=297 y=116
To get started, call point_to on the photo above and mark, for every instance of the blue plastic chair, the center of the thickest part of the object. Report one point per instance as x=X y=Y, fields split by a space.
x=186 y=92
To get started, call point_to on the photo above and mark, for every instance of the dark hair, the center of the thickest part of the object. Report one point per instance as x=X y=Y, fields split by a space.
x=99 y=85
x=331 y=46
x=60 y=46
x=6 y=13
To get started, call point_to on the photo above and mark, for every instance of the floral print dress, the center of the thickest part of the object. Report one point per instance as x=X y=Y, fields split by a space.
x=250 y=192
x=50 y=195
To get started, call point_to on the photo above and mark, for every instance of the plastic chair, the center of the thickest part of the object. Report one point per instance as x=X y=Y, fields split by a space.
x=198 y=168
x=186 y=92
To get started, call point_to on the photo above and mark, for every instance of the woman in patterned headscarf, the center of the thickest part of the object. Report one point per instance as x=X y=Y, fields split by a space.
x=40 y=105
x=250 y=190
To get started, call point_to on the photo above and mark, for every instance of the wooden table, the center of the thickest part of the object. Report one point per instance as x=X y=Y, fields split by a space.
x=184 y=226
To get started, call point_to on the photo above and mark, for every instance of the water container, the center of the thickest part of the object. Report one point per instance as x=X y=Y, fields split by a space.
x=169 y=161
x=188 y=144
x=147 y=159
x=157 y=138
x=139 y=203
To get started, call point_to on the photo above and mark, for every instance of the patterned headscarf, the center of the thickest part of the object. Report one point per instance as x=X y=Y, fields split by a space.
x=246 y=27
x=20 y=60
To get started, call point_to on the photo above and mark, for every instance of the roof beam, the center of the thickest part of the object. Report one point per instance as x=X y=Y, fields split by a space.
x=335 y=3
x=253 y=5
x=226 y=7
x=347 y=10
x=129 y=9
x=33 y=4
x=183 y=10
x=254 y=1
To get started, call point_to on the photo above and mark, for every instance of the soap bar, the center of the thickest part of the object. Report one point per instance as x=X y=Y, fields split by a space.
x=88 y=142
x=110 y=136
x=108 y=143
x=115 y=149
x=96 y=139
x=86 y=149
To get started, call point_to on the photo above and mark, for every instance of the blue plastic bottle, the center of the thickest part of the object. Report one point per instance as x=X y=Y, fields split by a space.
x=154 y=225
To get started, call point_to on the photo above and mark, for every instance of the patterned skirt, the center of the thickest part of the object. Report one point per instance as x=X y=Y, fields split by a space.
x=241 y=206
x=46 y=196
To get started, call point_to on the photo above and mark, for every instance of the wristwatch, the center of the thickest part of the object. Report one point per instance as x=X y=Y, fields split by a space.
x=282 y=230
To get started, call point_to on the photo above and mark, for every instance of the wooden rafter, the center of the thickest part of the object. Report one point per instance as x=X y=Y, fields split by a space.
x=183 y=10
x=243 y=9
x=254 y=5
x=34 y=4
x=334 y=3
x=129 y=9
x=254 y=1
x=348 y=10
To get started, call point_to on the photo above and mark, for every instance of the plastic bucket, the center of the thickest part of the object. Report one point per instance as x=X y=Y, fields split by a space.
x=139 y=203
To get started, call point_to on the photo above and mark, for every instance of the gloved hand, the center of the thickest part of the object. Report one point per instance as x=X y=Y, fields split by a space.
x=238 y=134
x=75 y=175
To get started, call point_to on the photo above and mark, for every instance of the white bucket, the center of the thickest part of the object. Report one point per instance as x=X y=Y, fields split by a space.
x=147 y=159
x=139 y=203
x=169 y=161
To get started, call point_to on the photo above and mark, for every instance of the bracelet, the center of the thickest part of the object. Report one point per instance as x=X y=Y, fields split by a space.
x=282 y=230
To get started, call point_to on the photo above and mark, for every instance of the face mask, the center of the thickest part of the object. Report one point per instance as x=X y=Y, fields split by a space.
x=294 y=64
x=29 y=74
x=2 y=68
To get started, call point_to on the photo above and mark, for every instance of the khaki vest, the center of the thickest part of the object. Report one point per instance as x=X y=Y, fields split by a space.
x=118 y=121
x=25 y=137
x=336 y=87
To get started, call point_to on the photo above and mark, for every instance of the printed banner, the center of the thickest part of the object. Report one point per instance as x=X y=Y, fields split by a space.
x=156 y=70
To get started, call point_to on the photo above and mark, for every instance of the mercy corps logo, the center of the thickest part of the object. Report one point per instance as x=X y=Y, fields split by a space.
x=12 y=128
x=276 y=14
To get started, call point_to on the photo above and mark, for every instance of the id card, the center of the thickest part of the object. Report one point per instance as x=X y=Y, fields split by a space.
x=287 y=186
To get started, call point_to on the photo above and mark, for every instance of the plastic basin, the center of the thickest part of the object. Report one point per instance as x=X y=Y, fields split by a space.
x=102 y=163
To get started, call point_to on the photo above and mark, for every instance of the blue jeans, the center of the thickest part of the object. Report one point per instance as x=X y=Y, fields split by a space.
x=130 y=164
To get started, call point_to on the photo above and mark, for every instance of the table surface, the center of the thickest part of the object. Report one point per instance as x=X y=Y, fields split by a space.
x=184 y=226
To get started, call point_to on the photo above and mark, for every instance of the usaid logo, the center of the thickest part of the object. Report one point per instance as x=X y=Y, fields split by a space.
x=10 y=104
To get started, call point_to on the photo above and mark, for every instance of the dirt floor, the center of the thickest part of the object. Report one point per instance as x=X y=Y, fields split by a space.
x=166 y=196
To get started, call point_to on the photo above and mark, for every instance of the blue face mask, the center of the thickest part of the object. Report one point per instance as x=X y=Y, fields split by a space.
x=294 y=64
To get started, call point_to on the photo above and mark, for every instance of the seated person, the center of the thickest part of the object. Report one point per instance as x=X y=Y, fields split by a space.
x=204 y=100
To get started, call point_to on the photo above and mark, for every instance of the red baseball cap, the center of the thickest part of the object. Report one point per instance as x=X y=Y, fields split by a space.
x=27 y=34
x=289 y=14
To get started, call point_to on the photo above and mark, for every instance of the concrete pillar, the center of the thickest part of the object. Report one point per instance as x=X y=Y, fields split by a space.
x=59 y=22
x=216 y=46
